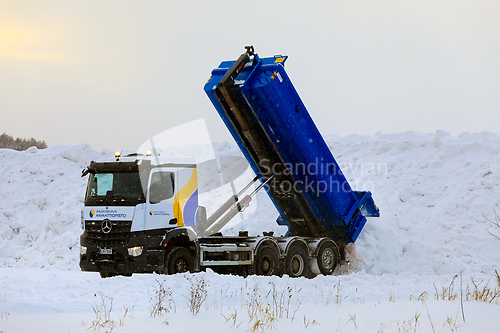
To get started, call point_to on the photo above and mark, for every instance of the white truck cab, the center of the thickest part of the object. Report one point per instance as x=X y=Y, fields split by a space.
x=131 y=204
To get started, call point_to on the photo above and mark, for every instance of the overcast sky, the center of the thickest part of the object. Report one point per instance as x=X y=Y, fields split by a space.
x=113 y=73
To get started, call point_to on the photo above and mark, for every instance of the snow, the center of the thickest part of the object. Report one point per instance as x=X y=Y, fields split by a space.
x=432 y=190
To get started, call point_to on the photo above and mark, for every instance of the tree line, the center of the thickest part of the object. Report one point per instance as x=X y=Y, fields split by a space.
x=8 y=141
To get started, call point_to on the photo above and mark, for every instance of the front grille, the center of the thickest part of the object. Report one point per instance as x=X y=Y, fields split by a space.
x=119 y=234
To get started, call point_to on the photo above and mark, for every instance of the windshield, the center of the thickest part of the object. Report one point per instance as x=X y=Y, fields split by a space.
x=114 y=188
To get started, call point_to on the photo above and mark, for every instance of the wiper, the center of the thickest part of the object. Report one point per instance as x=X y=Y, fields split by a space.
x=96 y=199
x=121 y=198
x=110 y=195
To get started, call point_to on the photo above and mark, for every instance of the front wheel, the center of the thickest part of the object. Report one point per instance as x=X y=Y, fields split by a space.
x=179 y=260
x=105 y=275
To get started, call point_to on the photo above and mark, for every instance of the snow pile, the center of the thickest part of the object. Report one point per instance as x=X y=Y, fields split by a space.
x=41 y=194
x=432 y=190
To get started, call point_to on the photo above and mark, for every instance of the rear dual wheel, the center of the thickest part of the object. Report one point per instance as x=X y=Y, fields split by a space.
x=267 y=261
x=328 y=257
x=296 y=262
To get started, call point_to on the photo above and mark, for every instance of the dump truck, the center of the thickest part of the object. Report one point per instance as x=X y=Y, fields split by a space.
x=141 y=212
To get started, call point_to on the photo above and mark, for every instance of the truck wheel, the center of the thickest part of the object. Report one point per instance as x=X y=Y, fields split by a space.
x=328 y=257
x=266 y=261
x=296 y=263
x=106 y=274
x=179 y=260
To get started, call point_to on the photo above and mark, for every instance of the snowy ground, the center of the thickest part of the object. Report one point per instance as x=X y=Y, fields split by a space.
x=63 y=301
x=431 y=242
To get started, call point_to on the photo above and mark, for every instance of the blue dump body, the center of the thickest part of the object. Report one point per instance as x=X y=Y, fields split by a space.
x=259 y=105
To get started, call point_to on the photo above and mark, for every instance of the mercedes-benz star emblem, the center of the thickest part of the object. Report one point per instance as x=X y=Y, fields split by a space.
x=106 y=226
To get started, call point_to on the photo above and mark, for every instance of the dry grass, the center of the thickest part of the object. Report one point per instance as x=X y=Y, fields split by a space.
x=332 y=296
x=197 y=293
x=409 y=325
x=421 y=298
x=233 y=319
x=486 y=293
x=452 y=324
x=264 y=310
x=308 y=322
x=121 y=320
x=161 y=301
x=447 y=293
x=285 y=302
x=352 y=318
x=4 y=316
x=392 y=295
x=474 y=291
x=262 y=319
x=102 y=311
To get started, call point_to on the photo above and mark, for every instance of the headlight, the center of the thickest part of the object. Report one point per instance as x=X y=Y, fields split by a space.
x=83 y=250
x=135 y=251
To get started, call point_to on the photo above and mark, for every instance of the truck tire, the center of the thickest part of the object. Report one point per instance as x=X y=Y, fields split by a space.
x=296 y=262
x=328 y=257
x=105 y=275
x=179 y=260
x=266 y=261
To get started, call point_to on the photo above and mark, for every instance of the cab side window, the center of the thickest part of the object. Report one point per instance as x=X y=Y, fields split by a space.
x=162 y=187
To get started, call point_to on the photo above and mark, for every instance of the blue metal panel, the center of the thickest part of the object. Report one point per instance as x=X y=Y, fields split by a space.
x=268 y=120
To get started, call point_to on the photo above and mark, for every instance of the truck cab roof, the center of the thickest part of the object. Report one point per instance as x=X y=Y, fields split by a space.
x=131 y=163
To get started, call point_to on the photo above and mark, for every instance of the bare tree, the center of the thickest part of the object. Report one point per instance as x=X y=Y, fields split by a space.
x=494 y=221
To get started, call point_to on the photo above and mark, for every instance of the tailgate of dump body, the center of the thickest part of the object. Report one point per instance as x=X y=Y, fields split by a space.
x=273 y=129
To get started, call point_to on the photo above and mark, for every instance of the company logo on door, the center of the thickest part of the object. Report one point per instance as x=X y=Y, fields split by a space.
x=158 y=212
